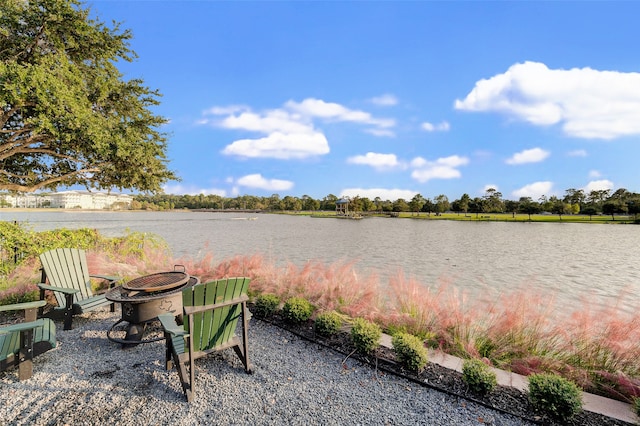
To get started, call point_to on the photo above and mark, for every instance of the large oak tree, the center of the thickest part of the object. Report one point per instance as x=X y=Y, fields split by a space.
x=67 y=115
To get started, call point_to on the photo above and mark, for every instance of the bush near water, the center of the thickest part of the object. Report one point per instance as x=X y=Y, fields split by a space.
x=555 y=396
x=128 y=256
x=410 y=351
x=477 y=375
x=365 y=335
x=297 y=309
x=327 y=323
x=266 y=305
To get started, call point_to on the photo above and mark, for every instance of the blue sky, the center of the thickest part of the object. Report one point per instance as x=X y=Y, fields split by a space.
x=391 y=99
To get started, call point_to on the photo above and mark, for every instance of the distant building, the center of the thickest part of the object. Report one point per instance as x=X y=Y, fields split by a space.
x=83 y=200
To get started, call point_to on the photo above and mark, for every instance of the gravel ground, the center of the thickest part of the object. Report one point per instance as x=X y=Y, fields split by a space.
x=90 y=380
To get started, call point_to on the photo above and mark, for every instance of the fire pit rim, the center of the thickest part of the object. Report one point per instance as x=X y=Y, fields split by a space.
x=159 y=281
x=121 y=295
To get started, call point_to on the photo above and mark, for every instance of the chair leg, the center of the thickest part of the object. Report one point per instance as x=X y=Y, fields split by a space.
x=168 y=352
x=25 y=355
x=185 y=381
x=245 y=339
x=68 y=311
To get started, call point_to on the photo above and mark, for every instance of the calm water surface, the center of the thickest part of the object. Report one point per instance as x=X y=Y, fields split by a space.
x=572 y=262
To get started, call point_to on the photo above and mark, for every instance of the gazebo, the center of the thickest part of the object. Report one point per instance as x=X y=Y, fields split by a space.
x=342 y=207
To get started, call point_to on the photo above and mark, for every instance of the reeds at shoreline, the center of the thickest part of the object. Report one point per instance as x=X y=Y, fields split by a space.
x=598 y=348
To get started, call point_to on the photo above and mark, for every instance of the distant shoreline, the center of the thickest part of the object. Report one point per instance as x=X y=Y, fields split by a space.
x=468 y=217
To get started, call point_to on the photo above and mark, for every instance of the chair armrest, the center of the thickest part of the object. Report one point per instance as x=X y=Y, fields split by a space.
x=60 y=289
x=23 y=306
x=22 y=326
x=170 y=326
x=107 y=278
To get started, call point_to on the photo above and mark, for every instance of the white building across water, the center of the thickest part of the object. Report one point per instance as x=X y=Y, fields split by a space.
x=68 y=200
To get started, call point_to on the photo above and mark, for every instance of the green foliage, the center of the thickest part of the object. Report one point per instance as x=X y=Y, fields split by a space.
x=68 y=116
x=365 y=335
x=485 y=346
x=266 y=305
x=297 y=309
x=410 y=351
x=554 y=395
x=636 y=405
x=328 y=323
x=18 y=243
x=477 y=375
x=19 y=294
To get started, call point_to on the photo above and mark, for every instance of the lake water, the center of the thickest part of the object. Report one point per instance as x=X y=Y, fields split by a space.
x=573 y=262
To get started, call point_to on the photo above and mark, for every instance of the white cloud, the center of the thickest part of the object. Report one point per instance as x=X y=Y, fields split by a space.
x=588 y=103
x=442 y=168
x=258 y=182
x=280 y=145
x=192 y=190
x=271 y=121
x=534 y=155
x=318 y=108
x=226 y=110
x=490 y=186
x=384 y=194
x=381 y=132
x=376 y=160
x=441 y=127
x=534 y=190
x=289 y=132
x=385 y=100
x=598 y=185
x=577 y=153
x=594 y=174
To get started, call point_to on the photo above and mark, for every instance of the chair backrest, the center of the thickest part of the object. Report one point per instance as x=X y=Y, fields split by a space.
x=216 y=307
x=67 y=268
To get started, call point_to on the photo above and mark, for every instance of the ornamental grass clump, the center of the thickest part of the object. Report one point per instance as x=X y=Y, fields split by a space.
x=297 y=309
x=410 y=351
x=365 y=335
x=328 y=323
x=554 y=395
x=266 y=305
x=478 y=376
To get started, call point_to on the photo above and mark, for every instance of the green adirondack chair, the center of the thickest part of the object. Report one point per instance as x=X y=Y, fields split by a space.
x=210 y=314
x=65 y=273
x=20 y=342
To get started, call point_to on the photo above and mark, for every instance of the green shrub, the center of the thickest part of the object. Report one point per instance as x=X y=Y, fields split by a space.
x=19 y=294
x=554 y=395
x=297 y=309
x=328 y=323
x=410 y=351
x=365 y=335
x=636 y=405
x=477 y=375
x=266 y=305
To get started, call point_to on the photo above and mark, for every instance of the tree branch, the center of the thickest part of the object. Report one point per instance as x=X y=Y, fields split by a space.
x=44 y=182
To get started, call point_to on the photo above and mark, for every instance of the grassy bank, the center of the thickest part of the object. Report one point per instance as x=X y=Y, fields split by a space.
x=521 y=331
x=483 y=217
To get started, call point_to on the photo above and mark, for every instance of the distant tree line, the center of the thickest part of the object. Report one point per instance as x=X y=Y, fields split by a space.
x=574 y=201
